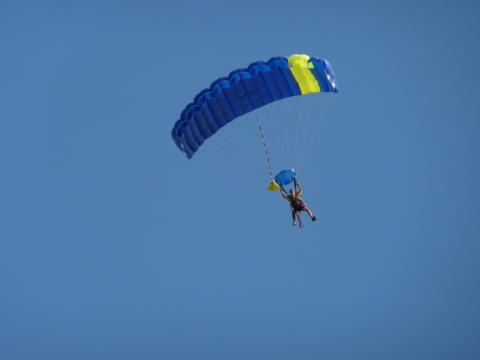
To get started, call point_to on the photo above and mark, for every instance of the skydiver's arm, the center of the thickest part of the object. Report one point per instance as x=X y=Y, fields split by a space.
x=300 y=190
x=299 y=187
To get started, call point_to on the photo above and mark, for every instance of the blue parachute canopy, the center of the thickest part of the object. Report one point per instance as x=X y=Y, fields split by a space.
x=285 y=177
x=247 y=89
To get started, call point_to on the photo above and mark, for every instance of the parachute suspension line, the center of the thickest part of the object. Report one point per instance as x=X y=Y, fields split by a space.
x=315 y=131
x=265 y=149
x=297 y=120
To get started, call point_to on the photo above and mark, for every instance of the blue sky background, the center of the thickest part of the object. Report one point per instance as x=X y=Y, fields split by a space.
x=112 y=246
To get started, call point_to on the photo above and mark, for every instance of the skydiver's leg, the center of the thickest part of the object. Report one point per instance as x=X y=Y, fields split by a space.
x=294 y=217
x=299 y=219
x=309 y=212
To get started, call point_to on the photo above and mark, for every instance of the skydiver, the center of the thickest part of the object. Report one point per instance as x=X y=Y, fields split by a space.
x=297 y=204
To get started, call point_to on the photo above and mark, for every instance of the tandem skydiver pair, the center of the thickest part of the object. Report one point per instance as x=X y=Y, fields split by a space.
x=294 y=195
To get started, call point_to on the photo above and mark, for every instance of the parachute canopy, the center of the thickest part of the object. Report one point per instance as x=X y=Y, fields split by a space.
x=245 y=90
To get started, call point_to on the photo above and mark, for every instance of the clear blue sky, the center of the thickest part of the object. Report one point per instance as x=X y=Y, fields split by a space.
x=111 y=249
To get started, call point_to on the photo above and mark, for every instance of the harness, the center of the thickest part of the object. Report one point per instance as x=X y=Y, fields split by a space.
x=297 y=203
